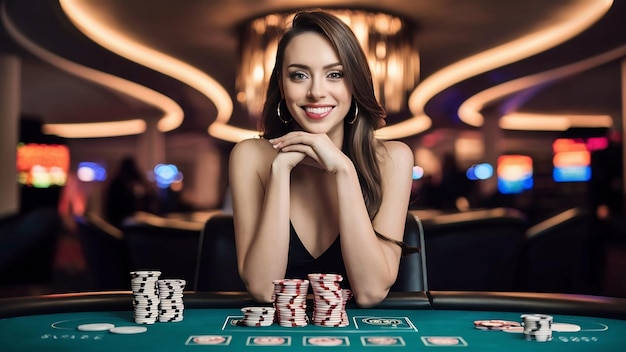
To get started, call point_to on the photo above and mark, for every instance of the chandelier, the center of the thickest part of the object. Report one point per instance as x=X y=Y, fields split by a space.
x=387 y=41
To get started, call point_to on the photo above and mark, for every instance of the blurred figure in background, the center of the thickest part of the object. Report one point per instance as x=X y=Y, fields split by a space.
x=453 y=189
x=607 y=178
x=129 y=192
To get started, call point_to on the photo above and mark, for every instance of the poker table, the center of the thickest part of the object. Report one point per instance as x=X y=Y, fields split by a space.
x=416 y=321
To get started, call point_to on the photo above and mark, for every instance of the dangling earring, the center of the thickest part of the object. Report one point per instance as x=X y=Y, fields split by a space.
x=279 y=114
x=356 y=113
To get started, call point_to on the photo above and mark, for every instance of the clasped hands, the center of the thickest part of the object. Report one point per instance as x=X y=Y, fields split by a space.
x=312 y=149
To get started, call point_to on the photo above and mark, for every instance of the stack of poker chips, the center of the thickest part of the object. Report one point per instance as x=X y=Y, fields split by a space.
x=145 y=296
x=171 y=300
x=328 y=300
x=258 y=316
x=347 y=295
x=537 y=327
x=290 y=302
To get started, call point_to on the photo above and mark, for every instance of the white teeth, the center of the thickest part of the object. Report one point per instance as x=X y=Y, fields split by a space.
x=320 y=110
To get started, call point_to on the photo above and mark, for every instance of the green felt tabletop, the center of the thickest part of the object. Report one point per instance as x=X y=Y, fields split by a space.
x=409 y=330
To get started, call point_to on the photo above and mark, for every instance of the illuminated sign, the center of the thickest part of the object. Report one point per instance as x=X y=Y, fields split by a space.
x=515 y=173
x=572 y=159
x=42 y=165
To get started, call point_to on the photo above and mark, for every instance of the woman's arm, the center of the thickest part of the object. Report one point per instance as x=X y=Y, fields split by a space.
x=260 y=187
x=372 y=264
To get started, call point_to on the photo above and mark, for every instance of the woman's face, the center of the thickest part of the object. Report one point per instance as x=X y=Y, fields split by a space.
x=313 y=84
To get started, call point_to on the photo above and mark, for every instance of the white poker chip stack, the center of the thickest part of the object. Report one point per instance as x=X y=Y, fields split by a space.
x=328 y=300
x=145 y=296
x=171 y=300
x=290 y=302
x=537 y=327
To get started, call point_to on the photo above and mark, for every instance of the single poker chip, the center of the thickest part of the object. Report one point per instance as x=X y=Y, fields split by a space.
x=95 y=327
x=126 y=330
x=565 y=327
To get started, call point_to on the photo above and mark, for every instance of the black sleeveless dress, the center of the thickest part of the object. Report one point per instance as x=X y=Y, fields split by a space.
x=301 y=262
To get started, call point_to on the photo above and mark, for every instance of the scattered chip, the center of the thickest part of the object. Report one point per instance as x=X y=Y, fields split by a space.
x=95 y=327
x=129 y=330
x=565 y=327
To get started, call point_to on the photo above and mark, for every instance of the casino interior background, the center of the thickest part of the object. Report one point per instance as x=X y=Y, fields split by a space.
x=505 y=100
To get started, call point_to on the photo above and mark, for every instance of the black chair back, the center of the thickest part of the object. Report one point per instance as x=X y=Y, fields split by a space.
x=412 y=272
x=217 y=256
x=106 y=254
x=167 y=245
x=28 y=244
x=475 y=250
x=557 y=254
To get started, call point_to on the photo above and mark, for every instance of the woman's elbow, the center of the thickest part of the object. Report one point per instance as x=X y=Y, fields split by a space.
x=259 y=293
x=370 y=299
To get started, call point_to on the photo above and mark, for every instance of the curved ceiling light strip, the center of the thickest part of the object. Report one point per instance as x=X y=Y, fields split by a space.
x=469 y=111
x=576 y=21
x=552 y=122
x=173 y=113
x=87 y=22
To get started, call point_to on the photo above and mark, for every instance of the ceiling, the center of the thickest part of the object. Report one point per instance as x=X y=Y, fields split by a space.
x=203 y=33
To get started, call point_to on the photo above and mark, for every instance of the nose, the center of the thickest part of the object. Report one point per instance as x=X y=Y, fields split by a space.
x=316 y=89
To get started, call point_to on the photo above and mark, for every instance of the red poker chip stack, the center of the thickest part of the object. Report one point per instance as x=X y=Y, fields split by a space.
x=328 y=300
x=258 y=316
x=290 y=302
x=347 y=295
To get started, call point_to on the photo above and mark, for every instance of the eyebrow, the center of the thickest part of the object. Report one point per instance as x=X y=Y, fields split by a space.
x=307 y=67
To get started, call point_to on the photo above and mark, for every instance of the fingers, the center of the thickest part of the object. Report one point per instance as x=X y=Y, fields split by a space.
x=292 y=138
x=302 y=149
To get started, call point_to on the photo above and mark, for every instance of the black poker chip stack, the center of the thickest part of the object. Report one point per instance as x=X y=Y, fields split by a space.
x=156 y=299
x=537 y=327
x=145 y=296
x=171 y=300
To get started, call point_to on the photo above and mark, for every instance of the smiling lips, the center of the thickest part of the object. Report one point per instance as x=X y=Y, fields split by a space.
x=317 y=112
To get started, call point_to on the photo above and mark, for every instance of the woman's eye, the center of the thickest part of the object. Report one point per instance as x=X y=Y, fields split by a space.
x=297 y=75
x=335 y=75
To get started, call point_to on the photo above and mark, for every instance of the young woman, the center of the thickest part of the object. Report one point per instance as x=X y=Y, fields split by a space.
x=318 y=192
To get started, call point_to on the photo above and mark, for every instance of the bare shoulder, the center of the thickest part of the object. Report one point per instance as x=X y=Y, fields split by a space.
x=396 y=154
x=253 y=149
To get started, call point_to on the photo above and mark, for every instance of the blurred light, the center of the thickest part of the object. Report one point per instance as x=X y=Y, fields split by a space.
x=597 y=143
x=428 y=161
x=571 y=174
x=166 y=174
x=469 y=147
x=551 y=122
x=481 y=171
x=42 y=165
x=91 y=172
x=418 y=172
x=515 y=173
x=571 y=161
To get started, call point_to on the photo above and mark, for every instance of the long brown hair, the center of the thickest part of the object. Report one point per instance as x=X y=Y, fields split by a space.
x=359 y=143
